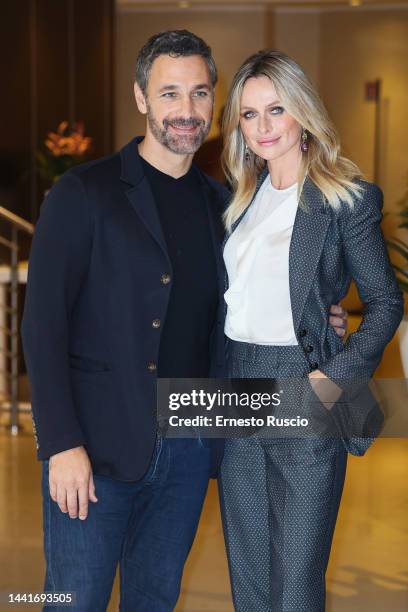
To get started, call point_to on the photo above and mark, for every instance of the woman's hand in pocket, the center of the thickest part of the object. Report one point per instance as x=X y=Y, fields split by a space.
x=325 y=389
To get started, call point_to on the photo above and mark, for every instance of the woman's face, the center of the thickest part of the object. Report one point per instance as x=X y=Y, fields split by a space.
x=268 y=129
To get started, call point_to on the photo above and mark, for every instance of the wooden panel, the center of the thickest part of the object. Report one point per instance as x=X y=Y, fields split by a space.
x=93 y=61
x=15 y=106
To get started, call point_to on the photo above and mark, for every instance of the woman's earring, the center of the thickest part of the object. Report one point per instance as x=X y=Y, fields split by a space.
x=246 y=153
x=304 y=146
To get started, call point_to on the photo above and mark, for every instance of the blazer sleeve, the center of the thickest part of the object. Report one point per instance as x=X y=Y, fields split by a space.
x=59 y=260
x=368 y=262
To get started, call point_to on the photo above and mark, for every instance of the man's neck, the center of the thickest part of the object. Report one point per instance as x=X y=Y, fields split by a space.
x=164 y=160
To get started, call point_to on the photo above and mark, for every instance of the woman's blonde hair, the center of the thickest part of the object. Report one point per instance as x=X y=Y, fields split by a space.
x=332 y=173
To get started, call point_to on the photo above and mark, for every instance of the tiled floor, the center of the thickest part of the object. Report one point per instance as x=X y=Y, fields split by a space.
x=369 y=563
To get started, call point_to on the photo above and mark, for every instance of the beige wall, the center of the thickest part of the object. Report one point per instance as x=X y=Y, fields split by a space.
x=233 y=35
x=298 y=35
x=356 y=47
x=340 y=50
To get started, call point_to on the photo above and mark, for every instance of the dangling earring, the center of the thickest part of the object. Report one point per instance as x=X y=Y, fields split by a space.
x=246 y=155
x=304 y=146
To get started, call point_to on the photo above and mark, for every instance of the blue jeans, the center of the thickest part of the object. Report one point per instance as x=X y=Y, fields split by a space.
x=146 y=526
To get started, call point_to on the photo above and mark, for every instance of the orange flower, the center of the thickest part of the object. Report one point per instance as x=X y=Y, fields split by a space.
x=74 y=144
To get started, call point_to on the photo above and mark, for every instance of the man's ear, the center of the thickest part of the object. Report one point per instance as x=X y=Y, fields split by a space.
x=140 y=99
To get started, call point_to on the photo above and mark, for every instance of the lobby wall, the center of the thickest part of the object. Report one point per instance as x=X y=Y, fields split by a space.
x=232 y=34
x=339 y=49
x=360 y=46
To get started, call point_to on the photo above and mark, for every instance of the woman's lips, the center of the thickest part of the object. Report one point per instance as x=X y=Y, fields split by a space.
x=268 y=141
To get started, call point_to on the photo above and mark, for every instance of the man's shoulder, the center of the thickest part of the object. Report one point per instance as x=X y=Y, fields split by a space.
x=105 y=168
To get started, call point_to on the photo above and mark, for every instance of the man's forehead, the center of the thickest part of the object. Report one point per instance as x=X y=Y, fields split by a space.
x=173 y=69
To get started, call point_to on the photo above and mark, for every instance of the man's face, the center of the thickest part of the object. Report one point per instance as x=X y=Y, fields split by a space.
x=178 y=102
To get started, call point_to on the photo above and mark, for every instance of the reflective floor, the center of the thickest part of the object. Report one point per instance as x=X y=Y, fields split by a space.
x=368 y=567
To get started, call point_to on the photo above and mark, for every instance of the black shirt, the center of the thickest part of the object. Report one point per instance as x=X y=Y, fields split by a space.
x=184 y=344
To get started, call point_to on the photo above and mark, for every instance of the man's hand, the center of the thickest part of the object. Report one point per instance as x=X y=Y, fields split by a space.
x=338 y=319
x=71 y=481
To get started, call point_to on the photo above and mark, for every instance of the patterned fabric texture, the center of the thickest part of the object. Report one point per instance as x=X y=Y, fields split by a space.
x=279 y=501
x=328 y=249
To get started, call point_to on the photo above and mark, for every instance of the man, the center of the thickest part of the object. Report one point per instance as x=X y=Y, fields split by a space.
x=126 y=284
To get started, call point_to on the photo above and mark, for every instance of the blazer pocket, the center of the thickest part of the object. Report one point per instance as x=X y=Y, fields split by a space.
x=85 y=364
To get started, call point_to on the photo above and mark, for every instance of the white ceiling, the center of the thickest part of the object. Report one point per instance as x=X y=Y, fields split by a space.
x=247 y=4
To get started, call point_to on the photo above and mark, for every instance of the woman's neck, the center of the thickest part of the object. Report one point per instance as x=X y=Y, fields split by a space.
x=284 y=171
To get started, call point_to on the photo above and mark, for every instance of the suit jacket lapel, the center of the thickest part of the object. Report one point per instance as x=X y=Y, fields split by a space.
x=309 y=233
x=216 y=226
x=141 y=198
x=259 y=182
x=139 y=194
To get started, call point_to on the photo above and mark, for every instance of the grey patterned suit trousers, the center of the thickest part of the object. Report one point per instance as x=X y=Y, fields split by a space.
x=279 y=501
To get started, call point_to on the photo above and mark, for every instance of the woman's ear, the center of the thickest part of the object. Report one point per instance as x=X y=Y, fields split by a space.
x=140 y=99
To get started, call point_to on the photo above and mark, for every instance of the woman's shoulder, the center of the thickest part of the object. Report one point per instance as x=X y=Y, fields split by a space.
x=368 y=189
x=367 y=198
x=367 y=204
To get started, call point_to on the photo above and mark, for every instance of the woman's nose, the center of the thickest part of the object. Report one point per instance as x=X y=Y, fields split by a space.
x=264 y=124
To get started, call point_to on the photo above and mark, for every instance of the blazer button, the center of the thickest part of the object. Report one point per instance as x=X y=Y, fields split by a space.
x=309 y=349
x=165 y=279
x=156 y=323
x=302 y=333
x=151 y=366
x=314 y=365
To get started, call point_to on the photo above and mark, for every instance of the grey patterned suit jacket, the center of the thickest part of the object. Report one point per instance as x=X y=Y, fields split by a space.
x=328 y=249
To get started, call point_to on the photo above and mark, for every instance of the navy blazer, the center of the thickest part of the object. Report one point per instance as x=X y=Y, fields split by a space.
x=99 y=274
x=328 y=249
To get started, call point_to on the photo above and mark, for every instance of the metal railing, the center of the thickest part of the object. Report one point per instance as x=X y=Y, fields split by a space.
x=9 y=329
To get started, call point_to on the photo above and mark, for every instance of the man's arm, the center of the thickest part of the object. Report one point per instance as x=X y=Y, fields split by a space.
x=59 y=260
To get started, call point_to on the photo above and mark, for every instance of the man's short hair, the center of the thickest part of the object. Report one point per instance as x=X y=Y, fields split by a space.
x=176 y=43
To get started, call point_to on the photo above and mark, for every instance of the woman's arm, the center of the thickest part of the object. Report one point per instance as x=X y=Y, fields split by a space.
x=368 y=262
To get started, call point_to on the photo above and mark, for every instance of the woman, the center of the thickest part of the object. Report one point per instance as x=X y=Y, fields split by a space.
x=301 y=224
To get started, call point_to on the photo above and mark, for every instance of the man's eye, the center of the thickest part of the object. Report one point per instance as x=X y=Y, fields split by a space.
x=201 y=94
x=277 y=110
x=168 y=94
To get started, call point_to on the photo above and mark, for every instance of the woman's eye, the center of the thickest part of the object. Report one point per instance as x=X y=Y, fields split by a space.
x=277 y=110
x=248 y=114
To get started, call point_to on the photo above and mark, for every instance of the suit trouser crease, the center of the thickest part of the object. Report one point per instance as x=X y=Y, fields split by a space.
x=279 y=501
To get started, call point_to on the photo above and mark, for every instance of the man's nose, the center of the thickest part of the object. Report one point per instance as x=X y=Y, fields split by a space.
x=187 y=106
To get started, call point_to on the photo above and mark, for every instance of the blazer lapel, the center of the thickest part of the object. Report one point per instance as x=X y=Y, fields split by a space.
x=259 y=182
x=309 y=233
x=139 y=194
x=216 y=227
x=141 y=198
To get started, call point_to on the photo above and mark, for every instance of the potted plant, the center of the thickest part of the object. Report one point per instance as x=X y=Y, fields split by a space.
x=400 y=246
x=62 y=150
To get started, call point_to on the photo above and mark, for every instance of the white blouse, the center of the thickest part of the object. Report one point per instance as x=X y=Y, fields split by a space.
x=256 y=256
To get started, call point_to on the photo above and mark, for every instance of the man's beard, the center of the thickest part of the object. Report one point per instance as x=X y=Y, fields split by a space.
x=182 y=144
